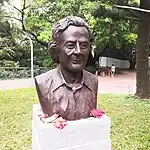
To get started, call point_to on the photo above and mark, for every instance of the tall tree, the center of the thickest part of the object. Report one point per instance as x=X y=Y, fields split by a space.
x=142 y=75
x=142 y=49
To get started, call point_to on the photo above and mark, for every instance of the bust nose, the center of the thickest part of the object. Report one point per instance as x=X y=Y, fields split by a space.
x=77 y=50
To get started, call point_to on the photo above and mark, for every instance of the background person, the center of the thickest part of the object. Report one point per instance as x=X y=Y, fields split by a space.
x=113 y=69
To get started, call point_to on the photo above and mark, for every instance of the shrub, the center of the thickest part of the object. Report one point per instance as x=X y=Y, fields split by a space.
x=20 y=72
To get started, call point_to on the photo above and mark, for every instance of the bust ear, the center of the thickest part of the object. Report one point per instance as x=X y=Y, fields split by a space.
x=53 y=50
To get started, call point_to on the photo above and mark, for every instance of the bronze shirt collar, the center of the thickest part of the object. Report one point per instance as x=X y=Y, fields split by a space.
x=58 y=80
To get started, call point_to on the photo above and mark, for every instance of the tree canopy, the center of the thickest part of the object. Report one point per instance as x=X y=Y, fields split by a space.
x=109 y=26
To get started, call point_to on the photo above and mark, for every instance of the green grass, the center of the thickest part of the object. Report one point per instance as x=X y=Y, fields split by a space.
x=15 y=119
x=130 y=120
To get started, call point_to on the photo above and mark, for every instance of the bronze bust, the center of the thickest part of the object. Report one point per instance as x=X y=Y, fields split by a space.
x=68 y=90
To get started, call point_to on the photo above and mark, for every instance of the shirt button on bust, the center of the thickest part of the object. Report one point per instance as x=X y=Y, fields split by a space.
x=73 y=88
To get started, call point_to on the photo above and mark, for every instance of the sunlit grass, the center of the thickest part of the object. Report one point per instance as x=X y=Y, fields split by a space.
x=130 y=119
x=15 y=119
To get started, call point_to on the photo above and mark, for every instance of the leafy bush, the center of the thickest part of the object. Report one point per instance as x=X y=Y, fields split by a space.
x=4 y=74
x=20 y=72
x=11 y=73
x=7 y=63
x=40 y=70
x=48 y=62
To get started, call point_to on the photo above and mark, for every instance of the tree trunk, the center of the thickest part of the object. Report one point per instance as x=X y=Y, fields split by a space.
x=142 y=74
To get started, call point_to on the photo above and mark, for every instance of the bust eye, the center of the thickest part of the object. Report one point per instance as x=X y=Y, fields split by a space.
x=70 y=46
x=83 y=46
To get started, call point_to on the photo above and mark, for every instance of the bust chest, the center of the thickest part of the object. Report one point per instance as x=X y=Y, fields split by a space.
x=72 y=104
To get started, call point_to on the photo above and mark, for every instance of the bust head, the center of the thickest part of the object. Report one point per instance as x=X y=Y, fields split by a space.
x=70 y=44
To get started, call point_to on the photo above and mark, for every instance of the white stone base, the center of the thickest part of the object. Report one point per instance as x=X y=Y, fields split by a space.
x=85 y=134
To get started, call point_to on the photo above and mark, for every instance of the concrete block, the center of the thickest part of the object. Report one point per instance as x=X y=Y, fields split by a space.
x=84 y=134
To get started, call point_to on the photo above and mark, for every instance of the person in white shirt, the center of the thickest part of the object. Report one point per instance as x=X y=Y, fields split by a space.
x=113 y=68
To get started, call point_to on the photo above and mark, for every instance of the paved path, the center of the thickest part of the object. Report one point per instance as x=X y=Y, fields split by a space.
x=124 y=83
x=16 y=83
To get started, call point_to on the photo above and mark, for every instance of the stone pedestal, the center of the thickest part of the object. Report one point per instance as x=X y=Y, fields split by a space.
x=84 y=134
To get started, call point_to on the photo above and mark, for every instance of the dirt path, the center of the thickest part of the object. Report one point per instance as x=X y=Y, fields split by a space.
x=124 y=83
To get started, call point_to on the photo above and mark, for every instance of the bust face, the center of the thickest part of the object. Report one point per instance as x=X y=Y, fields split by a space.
x=74 y=48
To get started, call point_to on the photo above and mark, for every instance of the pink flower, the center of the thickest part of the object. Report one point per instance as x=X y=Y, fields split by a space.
x=59 y=123
x=56 y=121
x=97 y=113
x=43 y=116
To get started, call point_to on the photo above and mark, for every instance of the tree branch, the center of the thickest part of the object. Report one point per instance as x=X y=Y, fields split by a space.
x=12 y=18
x=135 y=14
x=35 y=37
x=132 y=18
x=133 y=8
x=27 y=31
x=14 y=7
x=24 y=7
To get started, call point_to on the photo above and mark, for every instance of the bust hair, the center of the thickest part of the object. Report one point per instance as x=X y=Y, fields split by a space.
x=59 y=28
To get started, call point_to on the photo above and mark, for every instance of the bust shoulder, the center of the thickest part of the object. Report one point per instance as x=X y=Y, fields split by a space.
x=90 y=76
x=45 y=77
x=91 y=79
x=44 y=81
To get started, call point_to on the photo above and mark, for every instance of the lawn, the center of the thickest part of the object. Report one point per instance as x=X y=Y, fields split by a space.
x=130 y=119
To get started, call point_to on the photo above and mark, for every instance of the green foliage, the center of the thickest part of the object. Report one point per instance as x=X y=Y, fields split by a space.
x=43 y=14
x=10 y=48
x=7 y=63
x=112 y=28
x=131 y=38
x=6 y=41
x=108 y=26
x=129 y=120
x=11 y=73
x=48 y=62
x=107 y=30
x=21 y=72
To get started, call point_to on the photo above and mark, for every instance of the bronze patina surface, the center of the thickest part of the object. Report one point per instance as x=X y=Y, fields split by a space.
x=68 y=90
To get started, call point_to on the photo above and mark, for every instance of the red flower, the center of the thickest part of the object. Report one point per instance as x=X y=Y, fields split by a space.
x=97 y=113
